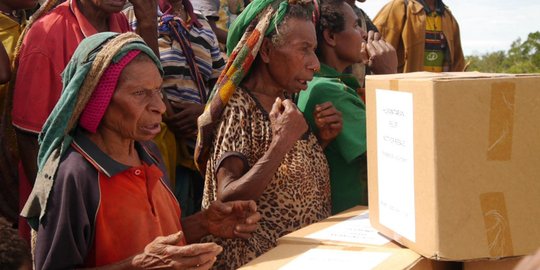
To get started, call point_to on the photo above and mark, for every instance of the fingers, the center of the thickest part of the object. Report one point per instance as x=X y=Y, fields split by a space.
x=172 y=239
x=245 y=230
x=195 y=256
x=221 y=207
x=276 y=109
x=289 y=106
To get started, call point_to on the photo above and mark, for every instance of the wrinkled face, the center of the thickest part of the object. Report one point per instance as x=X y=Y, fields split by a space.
x=136 y=106
x=20 y=4
x=109 y=6
x=292 y=64
x=349 y=41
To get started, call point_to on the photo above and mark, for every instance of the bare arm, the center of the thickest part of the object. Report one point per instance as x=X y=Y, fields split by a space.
x=220 y=33
x=28 y=151
x=236 y=182
x=146 y=14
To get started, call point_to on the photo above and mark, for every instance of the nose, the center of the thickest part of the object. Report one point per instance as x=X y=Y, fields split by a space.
x=156 y=104
x=313 y=63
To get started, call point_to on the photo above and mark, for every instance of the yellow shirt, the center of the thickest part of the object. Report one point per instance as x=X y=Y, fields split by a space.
x=10 y=31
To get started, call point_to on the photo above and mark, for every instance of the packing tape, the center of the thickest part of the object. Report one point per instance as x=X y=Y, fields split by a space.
x=496 y=224
x=394 y=85
x=501 y=121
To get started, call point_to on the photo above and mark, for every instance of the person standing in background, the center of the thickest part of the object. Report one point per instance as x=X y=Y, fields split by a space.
x=12 y=23
x=404 y=23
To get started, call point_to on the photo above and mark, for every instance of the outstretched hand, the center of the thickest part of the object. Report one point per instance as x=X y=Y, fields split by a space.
x=232 y=219
x=164 y=252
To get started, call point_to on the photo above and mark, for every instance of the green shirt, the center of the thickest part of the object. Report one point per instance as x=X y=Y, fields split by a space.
x=345 y=154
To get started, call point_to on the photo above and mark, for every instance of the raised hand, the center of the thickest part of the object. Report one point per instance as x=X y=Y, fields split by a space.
x=329 y=122
x=381 y=56
x=288 y=123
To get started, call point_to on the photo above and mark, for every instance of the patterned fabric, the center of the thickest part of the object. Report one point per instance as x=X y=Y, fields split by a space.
x=237 y=67
x=190 y=57
x=436 y=45
x=297 y=195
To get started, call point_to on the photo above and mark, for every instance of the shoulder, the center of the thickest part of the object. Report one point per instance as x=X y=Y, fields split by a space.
x=75 y=170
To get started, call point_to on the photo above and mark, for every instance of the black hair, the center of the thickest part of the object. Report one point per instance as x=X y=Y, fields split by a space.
x=331 y=18
x=302 y=10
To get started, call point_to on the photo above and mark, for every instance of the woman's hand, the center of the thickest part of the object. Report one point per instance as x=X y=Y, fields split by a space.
x=232 y=219
x=329 y=122
x=288 y=123
x=379 y=55
x=164 y=253
x=184 y=122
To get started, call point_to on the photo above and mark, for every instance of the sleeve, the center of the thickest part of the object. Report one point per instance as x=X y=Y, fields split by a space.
x=235 y=120
x=218 y=63
x=458 y=63
x=351 y=142
x=66 y=232
x=390 y=21
x=37 y=88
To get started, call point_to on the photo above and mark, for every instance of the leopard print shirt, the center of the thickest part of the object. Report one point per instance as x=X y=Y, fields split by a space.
x=298 y=194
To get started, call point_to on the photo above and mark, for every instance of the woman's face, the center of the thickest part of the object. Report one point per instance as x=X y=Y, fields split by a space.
x=136 y=106
x=292 y=64
x=349 y=41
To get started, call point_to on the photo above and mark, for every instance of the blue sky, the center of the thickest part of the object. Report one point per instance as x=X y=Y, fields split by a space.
x=486 y=25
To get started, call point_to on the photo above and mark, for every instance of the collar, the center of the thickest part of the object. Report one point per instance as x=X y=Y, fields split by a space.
x=329 y=72
x=101 y=161
x=86 y=27
x=8 y=22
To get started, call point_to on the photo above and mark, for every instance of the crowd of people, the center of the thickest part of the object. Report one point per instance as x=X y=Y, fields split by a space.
x=193 y=134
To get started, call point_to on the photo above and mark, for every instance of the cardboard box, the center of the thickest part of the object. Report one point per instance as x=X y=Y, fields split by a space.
x=502 y=264
x=454 y=162
x=348 y=228
x=313 y=257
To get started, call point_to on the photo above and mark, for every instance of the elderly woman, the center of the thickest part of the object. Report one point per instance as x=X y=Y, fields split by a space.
x=101 y=196
x=253 y=142
x=339 y=41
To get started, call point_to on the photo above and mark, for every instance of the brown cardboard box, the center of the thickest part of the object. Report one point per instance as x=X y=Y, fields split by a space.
x=348 y=228
x=313 y=257
x=454 y=162
x=502 y=264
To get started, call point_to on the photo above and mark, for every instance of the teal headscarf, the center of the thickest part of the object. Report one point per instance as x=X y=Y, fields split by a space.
x=83 y=72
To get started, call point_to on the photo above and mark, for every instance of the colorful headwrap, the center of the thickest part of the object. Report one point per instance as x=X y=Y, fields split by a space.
x=259 y=19
x=80 y=78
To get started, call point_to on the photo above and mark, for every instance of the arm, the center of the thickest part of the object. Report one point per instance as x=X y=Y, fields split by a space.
x=5 y=67
x=458 y=63
x=146 y=14
x=28 y=151
x=220 y=33
x=390 y=22
x=236 y=181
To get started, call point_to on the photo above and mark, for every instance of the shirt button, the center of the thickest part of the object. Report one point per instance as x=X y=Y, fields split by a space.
x=137 y=172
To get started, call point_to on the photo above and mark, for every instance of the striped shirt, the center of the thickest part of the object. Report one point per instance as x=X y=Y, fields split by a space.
x=178 y=83
x=436 y=46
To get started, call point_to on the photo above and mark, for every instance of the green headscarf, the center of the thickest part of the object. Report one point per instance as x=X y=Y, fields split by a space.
x=83 y=72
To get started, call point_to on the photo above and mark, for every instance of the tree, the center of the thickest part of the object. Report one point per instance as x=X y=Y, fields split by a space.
x=522 y=57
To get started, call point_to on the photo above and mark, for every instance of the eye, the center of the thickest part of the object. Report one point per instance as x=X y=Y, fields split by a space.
x=139 y=93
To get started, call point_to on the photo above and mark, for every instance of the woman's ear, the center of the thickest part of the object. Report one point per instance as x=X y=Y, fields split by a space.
x=266 y=50
x=329 y=38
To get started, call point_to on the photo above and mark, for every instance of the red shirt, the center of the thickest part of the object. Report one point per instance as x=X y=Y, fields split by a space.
x=45 y=52
x=101 y=211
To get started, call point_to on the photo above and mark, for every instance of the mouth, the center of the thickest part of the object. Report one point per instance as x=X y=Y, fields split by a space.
x=152 y=129
x=303 y=84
